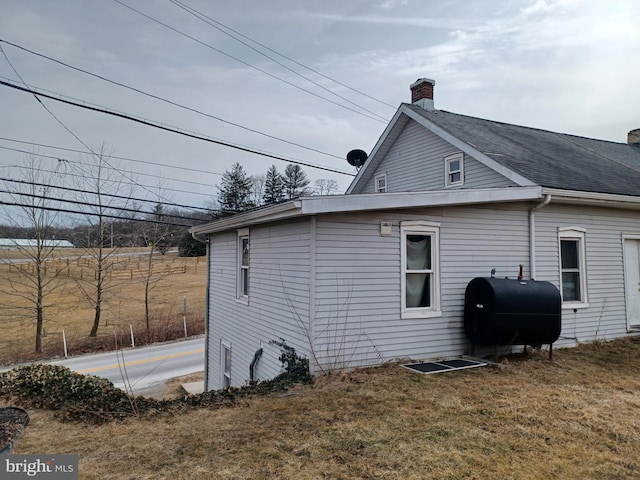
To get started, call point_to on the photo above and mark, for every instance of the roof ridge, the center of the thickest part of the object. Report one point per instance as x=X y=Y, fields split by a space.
x=526 y=127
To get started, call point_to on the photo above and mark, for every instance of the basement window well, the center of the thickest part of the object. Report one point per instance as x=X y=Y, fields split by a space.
x=444 y=365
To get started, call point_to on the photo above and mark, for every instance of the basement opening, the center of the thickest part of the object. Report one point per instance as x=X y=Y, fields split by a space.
x=444 y=365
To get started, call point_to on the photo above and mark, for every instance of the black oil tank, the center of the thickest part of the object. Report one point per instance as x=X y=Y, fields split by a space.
x=503 y=311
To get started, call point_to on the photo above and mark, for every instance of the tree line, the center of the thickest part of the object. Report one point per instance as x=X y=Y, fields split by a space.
x=238 y=191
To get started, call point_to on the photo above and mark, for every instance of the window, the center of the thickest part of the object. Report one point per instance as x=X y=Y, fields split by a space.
x=573 y=280
x=226 y=365
x=453 y=169
x=420 y=269
x=243 y=263
x=380 y=183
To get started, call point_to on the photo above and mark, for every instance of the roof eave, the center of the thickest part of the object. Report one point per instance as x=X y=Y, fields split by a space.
x=595 y=199
x=308 y=206
x=403 y=200
x=239 y=220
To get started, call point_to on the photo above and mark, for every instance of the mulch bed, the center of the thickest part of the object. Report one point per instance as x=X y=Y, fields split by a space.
x=12 y=421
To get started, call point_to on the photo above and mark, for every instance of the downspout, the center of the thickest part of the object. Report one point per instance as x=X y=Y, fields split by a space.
x=312 y=293
x=206 y=311
x=252 y=366
x=532 y=234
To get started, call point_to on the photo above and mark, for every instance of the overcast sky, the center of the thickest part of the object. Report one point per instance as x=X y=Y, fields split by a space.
x=568 y=66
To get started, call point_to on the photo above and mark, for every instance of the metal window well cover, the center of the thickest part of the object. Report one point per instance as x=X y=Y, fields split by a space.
x=444 y=365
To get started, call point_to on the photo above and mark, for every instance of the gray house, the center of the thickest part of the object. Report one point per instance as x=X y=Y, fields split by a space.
x=380 y=273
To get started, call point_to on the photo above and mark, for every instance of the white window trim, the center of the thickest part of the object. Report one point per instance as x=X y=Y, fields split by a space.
x=420 y=228
x=574 y=233
x=224 y=346
x=376 y=182
x=241 y=297
x=447 y=161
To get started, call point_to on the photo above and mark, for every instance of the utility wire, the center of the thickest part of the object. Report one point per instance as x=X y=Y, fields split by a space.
x=65 y=210
x=111 y=195
x=39 y=101
x=66 y=160
x=284 y=56
x=156 y=97
x=248 y=64
x=127 y=159
x=170 y=129
x=54 y=116
x=136 y=184
x=87 y=204
x=206 y=19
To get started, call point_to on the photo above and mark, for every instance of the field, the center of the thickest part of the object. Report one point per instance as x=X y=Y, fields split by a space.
x=177 y=283
x=525 y=418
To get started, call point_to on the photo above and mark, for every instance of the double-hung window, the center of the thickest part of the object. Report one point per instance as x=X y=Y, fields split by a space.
x=420 y=281
x=226 y=365
x=243 y=264
x=454 y=172
x=573 y=275
x=380 y=180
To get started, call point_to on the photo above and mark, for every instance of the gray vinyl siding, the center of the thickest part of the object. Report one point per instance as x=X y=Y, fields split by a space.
x=358 y=277
x=605 y=318
x=355 y=275
x=415 y=162
x=278 y=292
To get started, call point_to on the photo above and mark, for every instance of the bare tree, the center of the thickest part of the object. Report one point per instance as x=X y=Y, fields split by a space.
x=103 y=192
x=31 y=204
x=156 y=230
x=257 y=188
x=324 y=186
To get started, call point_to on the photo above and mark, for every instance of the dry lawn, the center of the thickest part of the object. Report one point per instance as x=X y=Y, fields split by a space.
x=123 y=305
x=527 y=418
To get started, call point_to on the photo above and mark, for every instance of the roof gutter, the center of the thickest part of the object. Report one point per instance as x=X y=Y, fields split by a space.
x=594 y=199
x=532 y=234
x=198 y=238
x=259 y=215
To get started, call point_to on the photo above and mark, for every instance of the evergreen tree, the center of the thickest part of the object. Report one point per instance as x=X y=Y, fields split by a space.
x=234 y=193
x=273 y=186
x=295 y=181
x=190 y=247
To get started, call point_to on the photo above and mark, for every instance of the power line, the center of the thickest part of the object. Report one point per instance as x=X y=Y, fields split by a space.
x=156 y=97
x=52 y=114
x=248 y=64
x=127 y=159
x=170 y=129
x=40 y=102
x=112 y=195
x=284 y=56
x=86 y=204
x=160 y=177
x=205 y=19
x=136 y=184
x=65 y=210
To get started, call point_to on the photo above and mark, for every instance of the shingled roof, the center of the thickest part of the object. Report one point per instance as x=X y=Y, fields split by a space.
x=549 y=159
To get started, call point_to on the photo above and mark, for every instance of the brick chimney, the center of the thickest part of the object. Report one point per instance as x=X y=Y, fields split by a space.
x=633 y=137
x=422 y=93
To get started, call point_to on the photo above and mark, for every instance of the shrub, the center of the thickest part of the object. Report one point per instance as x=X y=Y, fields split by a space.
x=296 y=366
x=75 y=396
x=92 y=399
